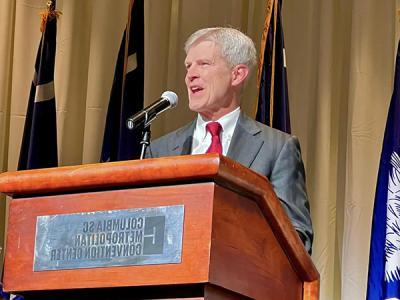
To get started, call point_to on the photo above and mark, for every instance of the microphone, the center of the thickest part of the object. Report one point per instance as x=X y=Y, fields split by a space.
x=146 y=116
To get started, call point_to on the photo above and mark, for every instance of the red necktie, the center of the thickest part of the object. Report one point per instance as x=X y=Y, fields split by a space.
x=214 y=128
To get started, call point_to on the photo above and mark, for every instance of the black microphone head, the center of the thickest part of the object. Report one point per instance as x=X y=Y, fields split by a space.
x=171 y=97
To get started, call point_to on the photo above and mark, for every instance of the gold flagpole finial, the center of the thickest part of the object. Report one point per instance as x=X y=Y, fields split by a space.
x=49 y=14
x=51 y=5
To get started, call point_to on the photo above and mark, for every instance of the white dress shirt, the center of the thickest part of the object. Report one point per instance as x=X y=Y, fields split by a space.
x=202 y=138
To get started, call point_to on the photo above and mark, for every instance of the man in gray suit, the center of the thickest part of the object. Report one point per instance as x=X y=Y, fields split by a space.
x=218 y=62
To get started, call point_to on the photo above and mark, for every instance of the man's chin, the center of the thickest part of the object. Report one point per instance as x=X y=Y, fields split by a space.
x=195 y=108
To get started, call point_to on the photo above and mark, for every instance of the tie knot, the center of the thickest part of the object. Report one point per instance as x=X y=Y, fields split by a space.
x=214 y=128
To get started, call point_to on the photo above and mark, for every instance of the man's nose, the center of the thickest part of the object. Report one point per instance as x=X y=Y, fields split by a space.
x=191 y=73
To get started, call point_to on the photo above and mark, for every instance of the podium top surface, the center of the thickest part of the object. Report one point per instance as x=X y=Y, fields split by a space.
x=166 y=171
x=120 y=174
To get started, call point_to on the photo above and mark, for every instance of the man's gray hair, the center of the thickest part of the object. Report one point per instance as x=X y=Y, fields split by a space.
x=236 y=47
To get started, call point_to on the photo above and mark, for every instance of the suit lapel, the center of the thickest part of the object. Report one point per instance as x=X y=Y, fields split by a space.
x=244 y=147
x=246 y=142
x=182 y=143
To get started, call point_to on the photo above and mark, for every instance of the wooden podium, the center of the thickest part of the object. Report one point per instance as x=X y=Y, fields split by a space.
x=237 y=242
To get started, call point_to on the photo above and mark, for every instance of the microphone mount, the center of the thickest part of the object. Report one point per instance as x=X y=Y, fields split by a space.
x=145 y=117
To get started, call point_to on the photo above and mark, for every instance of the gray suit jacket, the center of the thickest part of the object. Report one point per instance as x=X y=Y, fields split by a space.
x=267 y=151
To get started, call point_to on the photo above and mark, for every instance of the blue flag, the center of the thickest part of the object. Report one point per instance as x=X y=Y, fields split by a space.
x=8 y=296
x=39 y=141
x=273 y=98
x=127 y=91
x=384 y=263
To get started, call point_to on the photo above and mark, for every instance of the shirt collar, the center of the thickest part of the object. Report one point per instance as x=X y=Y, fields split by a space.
x=228 y=123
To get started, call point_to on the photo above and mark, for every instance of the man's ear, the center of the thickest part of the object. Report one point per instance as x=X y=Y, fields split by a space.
x=239 y=74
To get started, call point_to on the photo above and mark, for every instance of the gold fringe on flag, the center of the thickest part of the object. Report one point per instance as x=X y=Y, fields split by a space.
x=271 y=10
x=268 y=13
x=49 y=14
x=272 y=91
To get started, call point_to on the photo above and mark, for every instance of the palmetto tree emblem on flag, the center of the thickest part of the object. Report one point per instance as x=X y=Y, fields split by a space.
x=392 y=244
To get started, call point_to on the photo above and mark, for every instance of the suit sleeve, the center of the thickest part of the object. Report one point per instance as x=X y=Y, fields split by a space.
x=288 y=180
